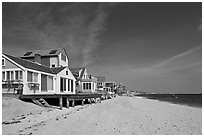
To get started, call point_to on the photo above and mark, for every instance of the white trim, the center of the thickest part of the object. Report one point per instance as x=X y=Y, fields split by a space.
x=13 y=69
x=36 y=71
x=13 y=62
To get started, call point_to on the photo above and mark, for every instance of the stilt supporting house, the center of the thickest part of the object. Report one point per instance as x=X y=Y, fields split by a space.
x=82 y=103
x=99 y=100
x=80 y=97
x=73 y=103
x=67 y=100
x=60 y=102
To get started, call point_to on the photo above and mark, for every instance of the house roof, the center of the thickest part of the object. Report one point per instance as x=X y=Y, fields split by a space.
x=43 y=52
x=100 y=78
x=33 y=65
x=75 y=72
x=56 y=70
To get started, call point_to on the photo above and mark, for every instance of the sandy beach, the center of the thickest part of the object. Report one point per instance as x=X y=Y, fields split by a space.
x=118 y=116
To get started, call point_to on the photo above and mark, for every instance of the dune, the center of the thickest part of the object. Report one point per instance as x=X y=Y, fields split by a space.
x=118 y=116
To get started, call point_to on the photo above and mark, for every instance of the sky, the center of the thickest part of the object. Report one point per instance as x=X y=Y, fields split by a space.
x=152 y=47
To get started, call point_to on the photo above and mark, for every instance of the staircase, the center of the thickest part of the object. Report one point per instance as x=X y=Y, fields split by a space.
x=41 y=102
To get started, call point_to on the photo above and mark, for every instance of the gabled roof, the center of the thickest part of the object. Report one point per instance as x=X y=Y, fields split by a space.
x=75 y=72
x=33 y=65
x=43 y=52
x=57 y=70
x=100 y=78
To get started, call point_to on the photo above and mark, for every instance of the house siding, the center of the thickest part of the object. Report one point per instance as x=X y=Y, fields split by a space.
x=61 y=62
x=68 y=78
x=45 y=61
x=9 y=65
x=54 y=61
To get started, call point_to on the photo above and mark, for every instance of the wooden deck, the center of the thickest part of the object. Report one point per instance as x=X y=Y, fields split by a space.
x=74 y=96
x=61 y=97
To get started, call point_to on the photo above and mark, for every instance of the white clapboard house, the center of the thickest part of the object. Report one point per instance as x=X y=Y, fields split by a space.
x=85 y=83
x=38 y=72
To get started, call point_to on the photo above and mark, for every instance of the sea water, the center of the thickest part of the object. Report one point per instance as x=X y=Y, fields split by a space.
x=193 y=100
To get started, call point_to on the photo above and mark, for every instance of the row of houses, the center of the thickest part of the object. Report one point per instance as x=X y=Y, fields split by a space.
x=48 y=72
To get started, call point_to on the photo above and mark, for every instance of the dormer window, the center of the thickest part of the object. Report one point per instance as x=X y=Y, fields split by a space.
x=53 y=51
x=27 y=53
x=63 y=57
x=3 y=62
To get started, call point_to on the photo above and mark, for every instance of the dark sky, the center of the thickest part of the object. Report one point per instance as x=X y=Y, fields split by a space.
x=154 y=47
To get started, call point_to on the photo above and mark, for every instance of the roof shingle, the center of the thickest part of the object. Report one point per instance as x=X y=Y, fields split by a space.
x=34 y=66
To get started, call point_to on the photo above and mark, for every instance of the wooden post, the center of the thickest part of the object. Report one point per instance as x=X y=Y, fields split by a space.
x=89 y=100
x=72 y=103
x=60 y=102
x=67 y=102
x=82 y=103
x=99 y=99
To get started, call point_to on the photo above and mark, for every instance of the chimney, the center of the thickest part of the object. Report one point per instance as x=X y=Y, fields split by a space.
x=37 y=58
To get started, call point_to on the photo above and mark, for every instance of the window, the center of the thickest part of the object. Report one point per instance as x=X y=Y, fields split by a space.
x=53 y=51
x=86 y=86
x=63 y=57
x=35 y=77
x=3 y=75
x=67 y=73
x=21 y=74
x=29 y=76
x=50 y=83
x=68 y=81
x=8 y=75
x=3 y=62
x=53 y=65
x=89 y=85
x=32 y=77
x=62 y=84
x=27 y=53
x=18 y=75
x=11 y=75
x=71 y=85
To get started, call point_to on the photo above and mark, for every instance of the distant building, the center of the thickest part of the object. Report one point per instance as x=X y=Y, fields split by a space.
x=35 y=73
x=111 y=85
x=101 y=82
x=85 y=83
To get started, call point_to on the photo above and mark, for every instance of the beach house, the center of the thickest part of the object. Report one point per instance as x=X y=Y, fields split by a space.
x=110 y=86
x=85 y=83
x=101 y=82
x=38 y=72
x=48 y=57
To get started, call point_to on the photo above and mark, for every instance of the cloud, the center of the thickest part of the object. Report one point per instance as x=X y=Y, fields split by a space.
x=181 y=73
x=75 y=26
x=95 y=28
x=191 y=51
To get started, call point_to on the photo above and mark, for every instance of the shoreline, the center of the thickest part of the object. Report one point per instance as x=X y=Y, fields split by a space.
x=171 y=102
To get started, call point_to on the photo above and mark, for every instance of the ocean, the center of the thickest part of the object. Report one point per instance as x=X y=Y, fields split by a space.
x=193 y=100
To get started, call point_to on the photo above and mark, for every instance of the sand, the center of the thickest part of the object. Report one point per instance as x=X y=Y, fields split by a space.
x=117 y=116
